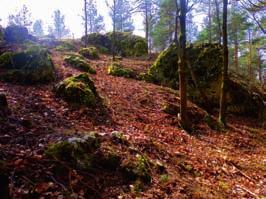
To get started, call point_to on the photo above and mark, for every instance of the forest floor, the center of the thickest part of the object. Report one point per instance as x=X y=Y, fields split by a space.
x=205 y=164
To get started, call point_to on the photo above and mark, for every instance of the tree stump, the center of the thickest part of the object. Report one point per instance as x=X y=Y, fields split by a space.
x=4 y=110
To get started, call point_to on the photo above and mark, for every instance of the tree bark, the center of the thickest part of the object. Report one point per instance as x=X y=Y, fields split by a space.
x=147 y=25
x=210 y=22
x=176 y=23
x=114 y=27
x=250 y=57
x=182 y=63
x=86 y=23
x=218 y=21
x=222 y=112
x=236 y=54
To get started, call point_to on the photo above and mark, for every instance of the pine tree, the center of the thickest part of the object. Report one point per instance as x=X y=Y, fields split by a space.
x=149 y=10
x=222 y=112
x=94 y=20
x=38 y=28
x=59 y=29
x=181 y=66
x=122 y=16
x=22 y=18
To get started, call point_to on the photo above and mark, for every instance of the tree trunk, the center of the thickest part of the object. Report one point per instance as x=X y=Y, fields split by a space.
x=176 y=23
x=222 y=112
x=250 y=57
x=210 y=22
x=182 y=62
x=236 y=53
x=114 y=27
x=147 y=25
x=86 y=23
x=218 y=21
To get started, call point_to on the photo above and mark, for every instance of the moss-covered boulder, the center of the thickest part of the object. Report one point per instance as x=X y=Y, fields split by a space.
x=34 y=65
x=206 y=62
x=78 y=90
x=127 y=44
x=16 y=34
x=99 y=40
x=117 y=69
x=90 y=52
x=164 y=71
x=66 y=45
x=78 y=61
x=78 y=152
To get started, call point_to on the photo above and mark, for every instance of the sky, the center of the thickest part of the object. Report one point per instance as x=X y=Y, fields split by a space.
x=72 y=9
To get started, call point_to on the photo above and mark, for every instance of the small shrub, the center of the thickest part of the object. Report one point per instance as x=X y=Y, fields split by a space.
x=116 y=69
x=90 y=53
x=79 y=62
x=137 y=168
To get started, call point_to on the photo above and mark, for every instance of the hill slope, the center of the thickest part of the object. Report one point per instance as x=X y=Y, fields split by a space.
x=206 y=164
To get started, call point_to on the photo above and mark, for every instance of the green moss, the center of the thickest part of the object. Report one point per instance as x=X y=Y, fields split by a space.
x=164 y=71
x=76 y=151
x=206 y=61
x=78 y=90
x=140 y=48
x=79 y=62
x=137 y=168
x=90 y=52
x=116 y=69
x=34 y=65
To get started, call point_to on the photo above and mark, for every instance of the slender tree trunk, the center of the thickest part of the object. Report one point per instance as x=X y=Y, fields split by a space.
x=210 y=22
x=260 y=70
x=176 y=23
x=222 y=112
x=250 y=57
x=182 y=63
x=218 y=21
x=147 y=25
x=236 y=54
x=114 y=28
x=86 y=23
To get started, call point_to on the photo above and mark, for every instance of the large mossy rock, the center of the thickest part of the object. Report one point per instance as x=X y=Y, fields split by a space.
x=126 y=44
x=117 y=69
x=16 y=34
x=78 y=90
x=33 y=65
x=206 y=61
x=78 y=152
x=79 y=62
x=90 y=52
